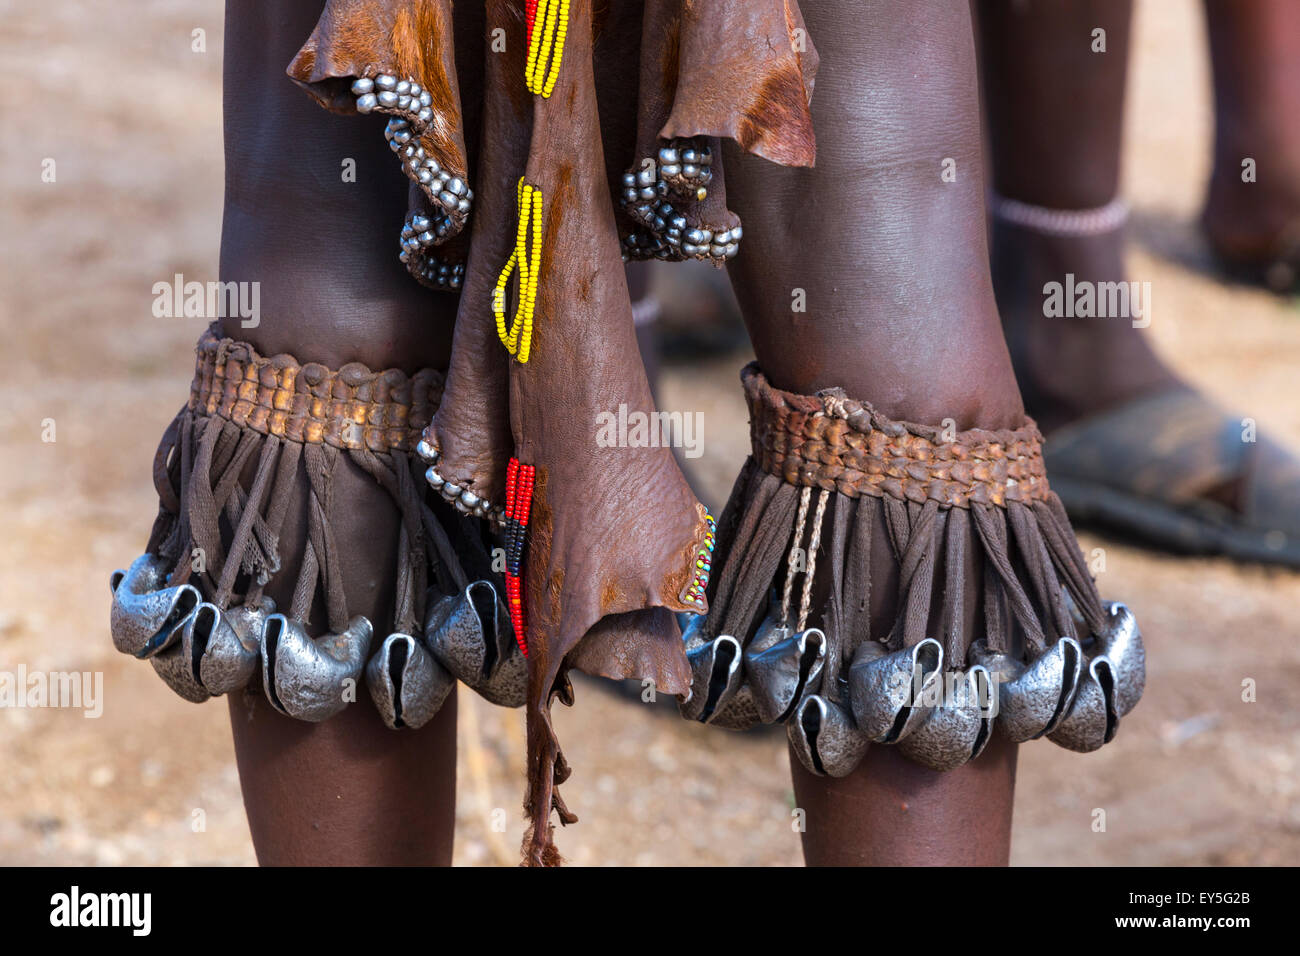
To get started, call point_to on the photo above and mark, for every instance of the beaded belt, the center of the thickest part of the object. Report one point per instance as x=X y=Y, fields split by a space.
x=350 y=408
x=832 y=442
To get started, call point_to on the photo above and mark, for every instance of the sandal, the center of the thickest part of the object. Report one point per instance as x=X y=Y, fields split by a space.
x=1153 y=466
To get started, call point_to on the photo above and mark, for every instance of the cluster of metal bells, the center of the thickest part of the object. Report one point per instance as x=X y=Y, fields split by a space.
x=763 y=683
x=202 y=651
x=1074 y=694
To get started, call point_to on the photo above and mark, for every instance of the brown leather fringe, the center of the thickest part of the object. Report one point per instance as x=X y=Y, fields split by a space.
x=951 y=514
x=547 y=769
x=287 y=421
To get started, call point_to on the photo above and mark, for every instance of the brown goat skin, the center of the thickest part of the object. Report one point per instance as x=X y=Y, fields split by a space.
x=614 y=531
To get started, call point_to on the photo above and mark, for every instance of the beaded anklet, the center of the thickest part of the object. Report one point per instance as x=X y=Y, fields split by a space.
x=1060 y=222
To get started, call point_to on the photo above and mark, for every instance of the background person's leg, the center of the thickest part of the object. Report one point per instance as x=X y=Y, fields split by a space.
x=899 y=312
x=1146 y=453
x=1255 y=51
x=1055 y=115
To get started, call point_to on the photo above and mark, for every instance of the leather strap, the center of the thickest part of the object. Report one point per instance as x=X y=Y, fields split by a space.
x=351 y=408
x=833 y=442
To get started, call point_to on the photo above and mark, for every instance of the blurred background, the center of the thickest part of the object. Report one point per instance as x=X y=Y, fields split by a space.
x=131 y=116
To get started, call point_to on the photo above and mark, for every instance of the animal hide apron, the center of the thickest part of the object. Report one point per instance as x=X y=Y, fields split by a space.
x=600 y=140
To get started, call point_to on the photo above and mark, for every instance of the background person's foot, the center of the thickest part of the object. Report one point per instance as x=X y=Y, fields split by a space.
x=1253 y=227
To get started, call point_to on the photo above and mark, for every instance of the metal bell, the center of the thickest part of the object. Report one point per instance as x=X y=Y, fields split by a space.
x=1112 y=686
x=887 y=690
x=470 y=635
x=217 y=652
x=824 y=738
x=692 y=626
x=1093 y=719
x=1122 y=646
x=958 y=729
x=147 y=615
x=304 y=677
x=175 y=666
x=407 y=685
x=781 y=675
x=738 y=708
x=770 y=632
x=715 y=672
x=739 y=711
x=1033 y=700
x=227 y=664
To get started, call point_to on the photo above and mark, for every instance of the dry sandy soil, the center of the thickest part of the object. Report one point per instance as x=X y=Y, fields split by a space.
x=1196 y=777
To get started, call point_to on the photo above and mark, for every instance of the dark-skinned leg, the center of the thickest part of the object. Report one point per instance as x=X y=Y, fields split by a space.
x=1055 y=113
x=1255 y=51
x=348 y=790
x=892 y=812
x=893 y=264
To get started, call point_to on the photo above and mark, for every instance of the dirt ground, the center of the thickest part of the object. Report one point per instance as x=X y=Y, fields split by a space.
x=1197 y=776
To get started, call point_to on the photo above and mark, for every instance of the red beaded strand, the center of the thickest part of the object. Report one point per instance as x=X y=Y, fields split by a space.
x=519 y=504
x=512 y=475
x=530 y=15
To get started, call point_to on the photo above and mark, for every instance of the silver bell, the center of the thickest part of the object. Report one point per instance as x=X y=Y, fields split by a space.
x=1093 y=719
x=715 y=672
x=217 y=652
x=782 y=675
x=824 y=738
x=737 y=708
x=146 y=615
x=305 y=677
x=470 y=635
x=888 y=691
x=407 y=685
x=1122 y=646
x=1111 y=686
x=958 y=729
x=175 y=665
x=1033 y=700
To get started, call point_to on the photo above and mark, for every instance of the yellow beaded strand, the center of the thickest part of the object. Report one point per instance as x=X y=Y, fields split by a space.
x=523 y=200
x=550 y=28
x=518 y=339
x=546 y=27
x=534 y=42
x=534 y=274
x=558 y=58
